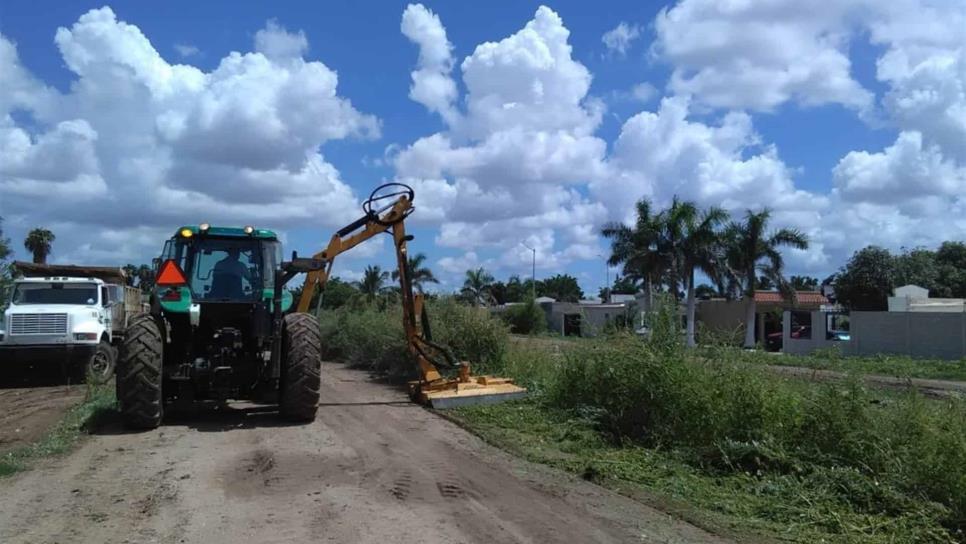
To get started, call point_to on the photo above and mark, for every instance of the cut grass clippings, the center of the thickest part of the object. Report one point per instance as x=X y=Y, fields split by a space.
x=64 y=435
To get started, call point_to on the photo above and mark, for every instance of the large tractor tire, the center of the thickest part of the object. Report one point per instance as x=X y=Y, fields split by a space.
x=301 y=367
x=139 y=374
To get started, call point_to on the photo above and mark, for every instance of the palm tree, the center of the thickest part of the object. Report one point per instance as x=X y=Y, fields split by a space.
x=637 y=248
x=476 y=286
x=38 y=242
x=750 y=250
x=702 y=250
x=373 y=282
x=418 y=274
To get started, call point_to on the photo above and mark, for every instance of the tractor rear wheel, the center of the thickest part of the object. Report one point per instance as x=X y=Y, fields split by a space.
x=301 y=367
x=139 y=374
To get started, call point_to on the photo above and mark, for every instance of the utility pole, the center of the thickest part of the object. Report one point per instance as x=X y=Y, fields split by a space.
x=533 y=277
x=607 y=287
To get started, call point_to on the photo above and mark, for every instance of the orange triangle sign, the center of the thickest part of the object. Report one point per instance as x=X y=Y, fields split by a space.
x=170 y=274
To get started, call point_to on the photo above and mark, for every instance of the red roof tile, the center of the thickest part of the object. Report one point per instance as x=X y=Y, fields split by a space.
x=803 y=297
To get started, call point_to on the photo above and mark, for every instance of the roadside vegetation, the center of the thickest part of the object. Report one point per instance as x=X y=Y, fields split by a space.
x=715 y=440
x=899 y=366
x=78 y=421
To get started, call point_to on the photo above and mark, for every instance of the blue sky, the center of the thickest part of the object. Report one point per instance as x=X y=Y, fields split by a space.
x=806 y=111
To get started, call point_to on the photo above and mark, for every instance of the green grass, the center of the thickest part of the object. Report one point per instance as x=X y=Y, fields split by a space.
x=816 y=505
x=885 y=365
x=63 y=436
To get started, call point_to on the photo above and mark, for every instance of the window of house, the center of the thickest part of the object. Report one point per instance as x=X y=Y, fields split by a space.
x=801 y=325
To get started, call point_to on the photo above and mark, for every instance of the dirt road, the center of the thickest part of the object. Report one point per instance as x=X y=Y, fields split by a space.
x=372 y=468
x=27 y=411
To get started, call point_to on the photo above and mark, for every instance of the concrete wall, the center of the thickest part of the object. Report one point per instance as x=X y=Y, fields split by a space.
x=817 y=339
x=593 y=317
x=938 y=335
x=725 y=316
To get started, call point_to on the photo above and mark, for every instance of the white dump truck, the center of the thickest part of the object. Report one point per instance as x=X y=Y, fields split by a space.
x=71 y=316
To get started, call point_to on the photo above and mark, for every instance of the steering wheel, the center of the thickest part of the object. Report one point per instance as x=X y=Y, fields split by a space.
x=376 y=203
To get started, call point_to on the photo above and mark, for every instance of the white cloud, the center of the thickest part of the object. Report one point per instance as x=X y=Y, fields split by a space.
x=502 y=171
x=758 y=55
x=141 y=143
x=278 y=44
x=186 y=50
x=619 y=39
x=432 y=85
x=904 y=172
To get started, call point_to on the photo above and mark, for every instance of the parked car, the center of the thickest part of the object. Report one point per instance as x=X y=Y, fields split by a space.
x=773 y=342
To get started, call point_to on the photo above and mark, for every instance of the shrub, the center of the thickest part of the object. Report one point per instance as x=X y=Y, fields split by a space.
x=526 y=318
x=471 y=333
x=372 y=337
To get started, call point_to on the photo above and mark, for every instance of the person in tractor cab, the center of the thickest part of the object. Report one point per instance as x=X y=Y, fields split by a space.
x=227 y=276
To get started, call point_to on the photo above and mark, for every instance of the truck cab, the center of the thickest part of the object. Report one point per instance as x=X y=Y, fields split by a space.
x=61 y=319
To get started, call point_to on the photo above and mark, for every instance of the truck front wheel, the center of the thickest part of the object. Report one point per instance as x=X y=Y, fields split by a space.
x=301 y=367
x=100 y=366
x=139 y=374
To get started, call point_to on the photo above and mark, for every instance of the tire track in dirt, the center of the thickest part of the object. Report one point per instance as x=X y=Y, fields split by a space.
x=372 y=468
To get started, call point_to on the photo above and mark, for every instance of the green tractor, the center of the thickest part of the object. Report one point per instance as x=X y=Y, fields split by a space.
x=218 y=329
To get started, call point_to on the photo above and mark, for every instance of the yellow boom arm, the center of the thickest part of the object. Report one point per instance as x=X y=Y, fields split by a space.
x=431 y=388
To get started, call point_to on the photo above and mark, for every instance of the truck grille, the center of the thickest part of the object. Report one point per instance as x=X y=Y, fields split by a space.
x=38 y=324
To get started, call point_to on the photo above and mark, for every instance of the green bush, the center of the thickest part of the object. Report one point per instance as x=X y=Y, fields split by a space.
x=366 y=337
x=471 y=333
x=372 y=337
x=526 y=318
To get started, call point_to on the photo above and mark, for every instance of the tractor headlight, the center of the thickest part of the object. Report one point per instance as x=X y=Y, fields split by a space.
x=186 y=233
x=249 y=229
x=204 y=227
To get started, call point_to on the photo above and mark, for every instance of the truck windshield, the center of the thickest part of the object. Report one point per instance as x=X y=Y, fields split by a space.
x=55 y=293
x=226 y=269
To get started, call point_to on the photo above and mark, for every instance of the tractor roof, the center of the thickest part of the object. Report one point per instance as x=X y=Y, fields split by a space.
x=229 y=232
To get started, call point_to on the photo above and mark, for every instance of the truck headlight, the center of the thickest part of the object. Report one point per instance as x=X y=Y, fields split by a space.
x=85 y=336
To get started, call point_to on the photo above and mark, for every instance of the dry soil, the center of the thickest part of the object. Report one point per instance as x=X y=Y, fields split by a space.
x=373 y=468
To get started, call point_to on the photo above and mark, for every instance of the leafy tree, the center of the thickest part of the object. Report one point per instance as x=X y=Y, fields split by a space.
x=917 y=267
x=516 y=290
x=705 y=291
x=625 y=285
x=751 y=250
x=373 y=282
x=604 y=294
x=476 y=286
x=765 y=283
x=130 y=274
x=145 y=278
x=804 y=283
x=866 y=281
x=498 y=291
x=6 y=273
x=951 y=261
x=39 y=242
x=562 y=287
x=419 y=275
x=337 y=293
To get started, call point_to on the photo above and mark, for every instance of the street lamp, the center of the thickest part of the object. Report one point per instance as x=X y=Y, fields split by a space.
x=533 y=277
x=606 y=278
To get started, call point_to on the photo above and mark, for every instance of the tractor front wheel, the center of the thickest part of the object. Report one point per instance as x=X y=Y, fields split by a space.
x=139 y=374
x=301 y=367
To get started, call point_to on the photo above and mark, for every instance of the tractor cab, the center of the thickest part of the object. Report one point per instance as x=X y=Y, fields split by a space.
x=220 y=265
